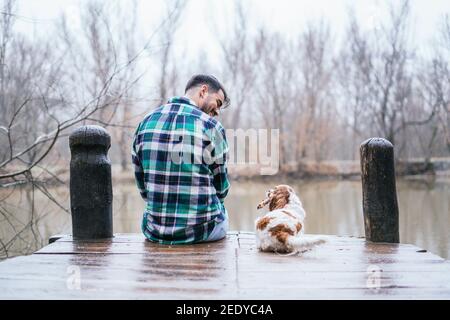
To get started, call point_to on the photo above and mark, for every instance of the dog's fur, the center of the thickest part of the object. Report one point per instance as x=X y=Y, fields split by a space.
x=281 y=228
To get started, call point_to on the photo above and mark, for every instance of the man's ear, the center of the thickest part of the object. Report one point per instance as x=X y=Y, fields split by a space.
x=203 y=90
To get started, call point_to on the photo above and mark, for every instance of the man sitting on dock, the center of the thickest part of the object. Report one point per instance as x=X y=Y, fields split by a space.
x=179 y=154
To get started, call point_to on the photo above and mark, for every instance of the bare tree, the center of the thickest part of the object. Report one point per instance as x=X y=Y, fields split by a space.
x=274 y=88
x=240 y=55
x=28 y=103
x=382 y=78
x=314 y=101
x=6 y=25
x=28 y=127
x=353 y=72
x=49 y=86
x=440 y=77
x=294 y=91
x=168 y=76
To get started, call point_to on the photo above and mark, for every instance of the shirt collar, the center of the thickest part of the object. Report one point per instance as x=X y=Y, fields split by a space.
x=185 y=100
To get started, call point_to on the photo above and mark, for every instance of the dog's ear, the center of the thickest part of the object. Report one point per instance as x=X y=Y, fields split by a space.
x=263 y=203
x=266 y=201
x=279 y=199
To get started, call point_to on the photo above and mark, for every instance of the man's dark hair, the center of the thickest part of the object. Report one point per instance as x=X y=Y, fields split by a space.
x=213 y=84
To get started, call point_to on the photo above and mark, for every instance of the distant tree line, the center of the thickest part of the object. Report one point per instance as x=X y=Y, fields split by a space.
x=328 y=97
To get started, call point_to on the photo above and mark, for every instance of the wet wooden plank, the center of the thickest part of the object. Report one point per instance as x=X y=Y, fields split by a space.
x=129 y=267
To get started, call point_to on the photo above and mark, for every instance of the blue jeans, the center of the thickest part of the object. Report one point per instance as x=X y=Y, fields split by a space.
x=219 y=231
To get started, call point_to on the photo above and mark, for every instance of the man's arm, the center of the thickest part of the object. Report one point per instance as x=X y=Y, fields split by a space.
x=138 y=170
x=220 y=180
x=219 y=166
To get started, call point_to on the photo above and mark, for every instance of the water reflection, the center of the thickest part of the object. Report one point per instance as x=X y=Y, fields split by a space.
x=333 y=207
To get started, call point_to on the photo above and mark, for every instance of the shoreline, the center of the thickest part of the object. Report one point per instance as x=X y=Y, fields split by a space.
x=413 y=169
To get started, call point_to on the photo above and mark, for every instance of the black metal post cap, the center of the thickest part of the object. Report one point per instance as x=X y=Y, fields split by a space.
x=377 y=142
x=90 y=135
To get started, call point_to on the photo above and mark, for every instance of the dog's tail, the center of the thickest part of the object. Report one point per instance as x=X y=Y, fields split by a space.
x=302 y=243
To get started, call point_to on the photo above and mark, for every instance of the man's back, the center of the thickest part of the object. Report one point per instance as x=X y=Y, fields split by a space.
x=179 y=153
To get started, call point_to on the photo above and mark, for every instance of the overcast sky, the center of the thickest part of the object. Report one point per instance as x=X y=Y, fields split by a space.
x=203 y=19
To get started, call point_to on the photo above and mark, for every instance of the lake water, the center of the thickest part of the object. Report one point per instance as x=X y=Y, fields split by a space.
x=332 y=207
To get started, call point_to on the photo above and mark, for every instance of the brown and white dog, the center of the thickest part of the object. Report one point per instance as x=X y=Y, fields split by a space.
x=280 y=229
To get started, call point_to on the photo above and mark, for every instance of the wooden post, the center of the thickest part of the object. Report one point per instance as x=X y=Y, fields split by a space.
x=90 y=183
x=379 y=192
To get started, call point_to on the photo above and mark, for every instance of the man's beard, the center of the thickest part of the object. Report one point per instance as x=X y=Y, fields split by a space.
x=208 y=110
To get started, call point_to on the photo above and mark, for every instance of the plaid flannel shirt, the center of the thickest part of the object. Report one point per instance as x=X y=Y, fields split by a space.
x=179 y=155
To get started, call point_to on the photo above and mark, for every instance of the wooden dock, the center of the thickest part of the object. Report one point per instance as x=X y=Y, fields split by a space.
x=129 y=267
